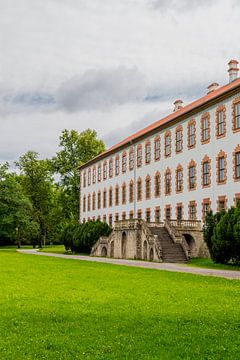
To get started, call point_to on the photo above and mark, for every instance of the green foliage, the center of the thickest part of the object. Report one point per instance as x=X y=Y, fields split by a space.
x=55 y=308
x=221 y=233
x=76 y=149
x=80 y=238
x=16 y=213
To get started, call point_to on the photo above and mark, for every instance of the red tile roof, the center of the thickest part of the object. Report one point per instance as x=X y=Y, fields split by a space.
x=184 y=110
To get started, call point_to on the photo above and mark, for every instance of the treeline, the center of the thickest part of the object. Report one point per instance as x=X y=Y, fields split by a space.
x=41 y=198
x=222 y=235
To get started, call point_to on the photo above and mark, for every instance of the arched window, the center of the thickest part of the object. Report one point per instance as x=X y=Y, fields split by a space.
x=99 y=172
x=84 y=203
x=117 y=165
x=157 y=149
x=179 y=178
x=99 y=200
x=110 y=197
x=104 y=170
x=148 y=187
x=147 y=152
x=139 y=189
x=89 y=177
x=94 y=175
x=124 y=193
x=117 y=195
x=104 y=198
x=131 y=191
x=131 y=159
x=94 y=201
x=89 y=202
x=192 y=175
x=168 y=182
x=84 y=179
x=124 y=162
x=110 y=168
x=157 y=185
x=139 y=156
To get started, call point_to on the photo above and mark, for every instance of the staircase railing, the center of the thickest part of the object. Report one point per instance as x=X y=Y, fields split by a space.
x=171 y=226
x=152 y=238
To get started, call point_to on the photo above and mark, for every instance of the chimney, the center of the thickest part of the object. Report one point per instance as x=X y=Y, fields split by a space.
x=233 y=70
x=212 y=87
x=178 y=104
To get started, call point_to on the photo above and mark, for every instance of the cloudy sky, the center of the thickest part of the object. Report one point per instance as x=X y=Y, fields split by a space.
x=114 y=66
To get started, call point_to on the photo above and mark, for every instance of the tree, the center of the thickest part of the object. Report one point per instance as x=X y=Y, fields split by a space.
x=16 y=215
x=37 y=182
x=76 y=149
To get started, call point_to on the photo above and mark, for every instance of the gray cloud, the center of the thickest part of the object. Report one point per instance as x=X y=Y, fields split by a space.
x=102 y=89
x=181 y=5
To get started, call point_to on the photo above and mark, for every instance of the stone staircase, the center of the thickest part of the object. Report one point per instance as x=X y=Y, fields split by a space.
x=171 y=252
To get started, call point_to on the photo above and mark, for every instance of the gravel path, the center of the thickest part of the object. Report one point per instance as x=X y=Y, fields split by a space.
x=228 y=274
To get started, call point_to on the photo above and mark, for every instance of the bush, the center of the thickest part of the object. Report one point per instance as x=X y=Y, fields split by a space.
x=80 y=238
x=222 y=235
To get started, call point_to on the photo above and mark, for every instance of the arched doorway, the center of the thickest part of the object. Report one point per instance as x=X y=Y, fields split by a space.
x=151 y=254
x=112 y=249
x=124 y=245
x=104 y=251
x=145 y=250
x=191 y=243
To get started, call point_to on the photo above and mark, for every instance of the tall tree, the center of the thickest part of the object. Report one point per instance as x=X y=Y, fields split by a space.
x=76 y=149
x=36 y=179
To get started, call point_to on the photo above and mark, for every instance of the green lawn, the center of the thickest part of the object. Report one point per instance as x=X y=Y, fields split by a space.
x=55 y=249
x=208 y=263
x=67 y=309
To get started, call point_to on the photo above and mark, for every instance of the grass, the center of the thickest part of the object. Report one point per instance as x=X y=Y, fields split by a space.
x=55 y=249
x=208 y=263
x=55 y=308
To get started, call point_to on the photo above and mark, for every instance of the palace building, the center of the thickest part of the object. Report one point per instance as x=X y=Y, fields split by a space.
x=177 y=168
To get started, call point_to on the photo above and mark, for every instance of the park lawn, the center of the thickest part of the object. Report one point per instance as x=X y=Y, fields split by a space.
x=55 y=249
x=55 y=308
x=208 y=263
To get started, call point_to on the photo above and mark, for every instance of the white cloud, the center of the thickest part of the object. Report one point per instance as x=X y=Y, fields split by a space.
x=79 y=63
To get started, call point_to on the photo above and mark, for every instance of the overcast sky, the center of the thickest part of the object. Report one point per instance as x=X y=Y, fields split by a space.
x=114 y=66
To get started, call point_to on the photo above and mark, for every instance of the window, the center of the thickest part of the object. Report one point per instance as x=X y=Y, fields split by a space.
x=110 y=197
x=124 y=162
x=124 y=193
x=167 y=182
x=157 y=214
x=84 y=179
x=99 y=200
x=148 y=153
x=89 y=202
x=221 y=203
x=168 y=212
x=221 y=169
x=205 y=207
x=168 y=144
x=237 y=165
x=220 y=121
x=84 y=203
x=205 y=128
x=139 y=156
x=117 y=165
x=148 y=215
x=131 y=159
x=157 y=148
x=179 y=139
x=117 y=195
x=116 y=217
x=192 y=210
x=94 y=175
x=191 y=134
x=123 y=216
x=131 y=192
x=179 y=179
x=236 y=115
x=110 y=220
x=157 y=185
x=206 y=173
x=104 y=198
x=139 y=214
x=148 y=187
x=94 y=201
x=89 y=177
x=110 y=168
x=139 y=190
x=104 y=171
x=221 y=166
x=131 y=215
x=99 y=173
x=192 y=183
